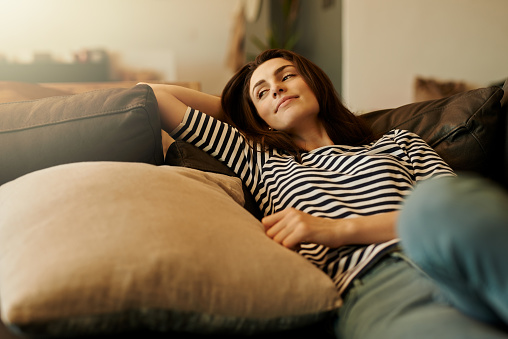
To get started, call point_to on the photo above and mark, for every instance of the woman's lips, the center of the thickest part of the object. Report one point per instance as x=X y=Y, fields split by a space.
x=283 y=102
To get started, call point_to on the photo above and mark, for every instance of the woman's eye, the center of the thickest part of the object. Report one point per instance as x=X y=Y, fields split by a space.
x=287 y=76
x=261 y=93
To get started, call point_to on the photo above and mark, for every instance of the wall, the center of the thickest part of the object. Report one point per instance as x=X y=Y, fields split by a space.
x=387 y=43
x=319 y=29
x=186 y=39
x=320 y=26
x=384 y=45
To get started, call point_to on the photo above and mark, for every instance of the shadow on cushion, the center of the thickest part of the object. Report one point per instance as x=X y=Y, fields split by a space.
x=181 y=153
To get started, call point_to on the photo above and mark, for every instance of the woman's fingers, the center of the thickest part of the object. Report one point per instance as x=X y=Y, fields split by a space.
x=284 y=227
x=273 y=223
x=273 y=218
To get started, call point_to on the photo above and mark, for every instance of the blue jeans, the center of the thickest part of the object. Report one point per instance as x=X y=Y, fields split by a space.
x=456 y=231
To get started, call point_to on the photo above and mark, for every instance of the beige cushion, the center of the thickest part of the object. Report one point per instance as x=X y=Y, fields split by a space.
x=104 y=247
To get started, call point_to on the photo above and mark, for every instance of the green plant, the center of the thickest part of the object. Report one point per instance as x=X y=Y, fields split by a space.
x=281 y=34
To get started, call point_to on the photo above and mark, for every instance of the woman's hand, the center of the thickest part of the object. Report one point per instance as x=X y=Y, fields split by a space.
x=291 y=227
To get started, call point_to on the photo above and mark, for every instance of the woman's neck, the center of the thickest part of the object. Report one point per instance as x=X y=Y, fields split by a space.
x=313 y=138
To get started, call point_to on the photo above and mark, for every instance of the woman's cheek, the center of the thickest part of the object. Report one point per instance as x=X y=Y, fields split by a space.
x=263 y=111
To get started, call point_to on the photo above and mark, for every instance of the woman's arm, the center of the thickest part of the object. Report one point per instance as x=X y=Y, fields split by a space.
x=291 y=227
x=173 y=102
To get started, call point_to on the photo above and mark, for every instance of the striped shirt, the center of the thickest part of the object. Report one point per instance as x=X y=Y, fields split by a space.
x=336 y=181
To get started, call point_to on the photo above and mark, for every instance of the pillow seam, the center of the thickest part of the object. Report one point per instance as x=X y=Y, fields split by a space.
x=94 y=115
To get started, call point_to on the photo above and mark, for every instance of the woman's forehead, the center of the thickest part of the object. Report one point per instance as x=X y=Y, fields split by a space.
x=267 y=69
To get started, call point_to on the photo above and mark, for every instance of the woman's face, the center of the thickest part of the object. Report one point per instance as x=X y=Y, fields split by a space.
x=282 y=98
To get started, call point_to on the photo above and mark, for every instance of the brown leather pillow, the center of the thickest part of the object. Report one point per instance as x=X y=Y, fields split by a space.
x=465 y=129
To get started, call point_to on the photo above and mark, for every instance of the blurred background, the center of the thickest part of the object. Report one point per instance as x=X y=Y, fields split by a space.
x=377 y=53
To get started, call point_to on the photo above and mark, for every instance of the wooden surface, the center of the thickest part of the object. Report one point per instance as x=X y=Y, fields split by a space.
x=79 y=87
x=11 y=91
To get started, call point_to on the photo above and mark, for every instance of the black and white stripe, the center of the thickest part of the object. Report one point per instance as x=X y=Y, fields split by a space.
x=333 y=182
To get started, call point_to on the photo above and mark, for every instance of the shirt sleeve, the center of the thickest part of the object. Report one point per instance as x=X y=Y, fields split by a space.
x=223 y=142
x=426 y=162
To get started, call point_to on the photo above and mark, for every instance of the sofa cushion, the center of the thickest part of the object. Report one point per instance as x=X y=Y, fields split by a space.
x=465 y=129
x=105 y=125
x=181 y=153
x=107 y=246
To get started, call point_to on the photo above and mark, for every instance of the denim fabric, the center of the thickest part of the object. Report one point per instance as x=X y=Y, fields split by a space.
x=455 y=231
x=397 y=301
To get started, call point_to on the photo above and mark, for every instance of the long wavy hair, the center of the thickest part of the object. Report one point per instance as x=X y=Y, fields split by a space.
x=342 y=126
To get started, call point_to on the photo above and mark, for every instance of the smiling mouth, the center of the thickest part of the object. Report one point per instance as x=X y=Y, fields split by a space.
x=284 y=101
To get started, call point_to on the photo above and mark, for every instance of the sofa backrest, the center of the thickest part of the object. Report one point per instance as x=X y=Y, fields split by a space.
x=468 y=130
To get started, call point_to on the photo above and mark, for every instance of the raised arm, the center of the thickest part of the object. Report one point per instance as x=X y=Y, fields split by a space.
x=173 y=102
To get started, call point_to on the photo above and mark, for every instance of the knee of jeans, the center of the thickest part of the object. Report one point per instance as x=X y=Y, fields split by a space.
x=443 y=215
x=430 y=199
x=424 y=221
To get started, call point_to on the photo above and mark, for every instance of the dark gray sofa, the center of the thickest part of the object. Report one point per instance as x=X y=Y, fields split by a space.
x=469 y=130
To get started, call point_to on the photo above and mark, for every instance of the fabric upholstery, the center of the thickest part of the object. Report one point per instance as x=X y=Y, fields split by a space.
x=100 y=247
x=106 y=125
x=181 y=153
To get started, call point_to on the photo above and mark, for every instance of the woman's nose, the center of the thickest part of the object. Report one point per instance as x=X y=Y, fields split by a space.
x=278 y=91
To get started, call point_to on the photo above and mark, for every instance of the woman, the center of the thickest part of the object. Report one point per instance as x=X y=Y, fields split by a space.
x=327 y=188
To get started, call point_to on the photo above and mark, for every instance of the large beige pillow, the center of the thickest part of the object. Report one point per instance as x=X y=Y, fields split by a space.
x=107 y=247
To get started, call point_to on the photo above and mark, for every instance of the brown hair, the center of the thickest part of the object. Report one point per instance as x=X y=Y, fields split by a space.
x=342 y=126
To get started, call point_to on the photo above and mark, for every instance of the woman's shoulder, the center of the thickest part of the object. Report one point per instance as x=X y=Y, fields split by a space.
x=402 y=138
x=400 y=134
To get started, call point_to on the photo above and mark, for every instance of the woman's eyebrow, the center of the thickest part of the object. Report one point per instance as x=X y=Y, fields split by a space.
x=277 y=71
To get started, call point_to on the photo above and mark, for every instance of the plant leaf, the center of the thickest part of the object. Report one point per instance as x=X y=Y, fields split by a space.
x=258 y=43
